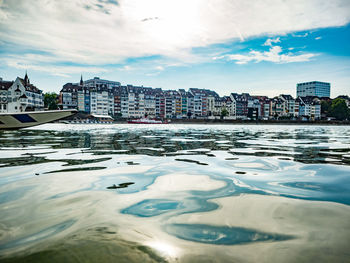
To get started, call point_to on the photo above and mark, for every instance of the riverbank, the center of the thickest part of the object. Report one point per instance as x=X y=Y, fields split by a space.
x=82 y=116
x=251 y=122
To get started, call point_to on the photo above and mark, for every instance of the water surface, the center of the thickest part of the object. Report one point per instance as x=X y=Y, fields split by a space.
x=182 y=193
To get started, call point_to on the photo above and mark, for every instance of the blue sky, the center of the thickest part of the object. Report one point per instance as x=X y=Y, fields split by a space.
x=260 y=47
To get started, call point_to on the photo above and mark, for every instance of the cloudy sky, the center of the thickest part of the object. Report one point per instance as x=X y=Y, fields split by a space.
x=263 y=47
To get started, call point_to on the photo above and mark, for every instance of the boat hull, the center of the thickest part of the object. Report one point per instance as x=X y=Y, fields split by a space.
x=20 y=120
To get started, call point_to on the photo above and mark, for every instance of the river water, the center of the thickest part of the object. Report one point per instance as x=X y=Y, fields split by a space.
x=175 y=193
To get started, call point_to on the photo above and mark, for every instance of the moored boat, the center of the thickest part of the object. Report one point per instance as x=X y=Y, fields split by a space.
x=89 y=119
x=18 y=120
x=147 y=121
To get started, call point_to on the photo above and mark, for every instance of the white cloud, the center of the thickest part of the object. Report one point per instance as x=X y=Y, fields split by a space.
x=269 y=41
x=126 y=68
x=160 y=68
x=100 y=32
x=152 y=74
x=273 y=55
x=302 y=35
x=55 y=70
x=318 y=38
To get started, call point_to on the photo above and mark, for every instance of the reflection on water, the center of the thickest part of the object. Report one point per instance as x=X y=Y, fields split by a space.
x=183 y=187
x=122 y=185
x=42 y=234
x=221 y=235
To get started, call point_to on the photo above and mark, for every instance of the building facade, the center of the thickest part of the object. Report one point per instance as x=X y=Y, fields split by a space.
x=103 y=97
x=314 y=88
x=20 y=95
x=309 y=108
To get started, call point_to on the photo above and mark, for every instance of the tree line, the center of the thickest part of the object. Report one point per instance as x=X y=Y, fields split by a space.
x=336 y=109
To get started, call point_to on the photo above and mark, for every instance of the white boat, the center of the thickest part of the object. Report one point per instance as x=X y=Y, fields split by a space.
x=18 y=120
x=147 y=121
x=90 y=119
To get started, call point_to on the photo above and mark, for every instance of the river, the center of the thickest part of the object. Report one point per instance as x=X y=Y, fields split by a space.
x=175 y=193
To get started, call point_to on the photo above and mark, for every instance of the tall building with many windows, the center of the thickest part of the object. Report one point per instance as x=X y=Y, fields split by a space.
x=314 y=88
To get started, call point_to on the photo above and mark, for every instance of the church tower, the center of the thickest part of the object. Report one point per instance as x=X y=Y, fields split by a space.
x=81 y=80
x=26 y=79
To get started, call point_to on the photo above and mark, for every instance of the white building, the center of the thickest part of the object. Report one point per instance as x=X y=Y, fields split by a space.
x=290 y=108
x=69 y=96
x=101 y=102
x=309 y=107
x=150 y=104
x=20 y=95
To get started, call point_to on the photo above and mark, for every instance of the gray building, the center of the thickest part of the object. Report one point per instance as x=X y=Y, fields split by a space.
x=314 y=88
x=96 y=82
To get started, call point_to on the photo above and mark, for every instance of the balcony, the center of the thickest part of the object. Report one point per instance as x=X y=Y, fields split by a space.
x=23 y=100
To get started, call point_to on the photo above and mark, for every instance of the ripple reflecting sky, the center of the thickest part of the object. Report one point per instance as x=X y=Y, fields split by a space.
x=195 y=187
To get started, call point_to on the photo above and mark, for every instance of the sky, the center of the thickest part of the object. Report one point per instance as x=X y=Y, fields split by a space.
x=263 y=47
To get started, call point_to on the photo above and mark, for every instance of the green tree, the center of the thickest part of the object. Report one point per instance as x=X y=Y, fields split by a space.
x=339 y=110
x=325 y=107
x=50 y=100
x=189 y=114
x=224 y=113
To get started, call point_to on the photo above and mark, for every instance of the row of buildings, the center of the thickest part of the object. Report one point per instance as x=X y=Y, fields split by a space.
x=104 y=97
x=20 y=95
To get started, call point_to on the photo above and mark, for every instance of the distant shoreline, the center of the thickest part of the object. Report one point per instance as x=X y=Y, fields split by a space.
x=82 y=116
x=259 y=122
